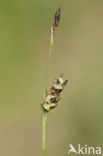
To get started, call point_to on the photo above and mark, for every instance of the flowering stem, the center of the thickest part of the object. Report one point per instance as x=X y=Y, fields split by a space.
x=44 y=133
x=47 y=67
x=45 y=114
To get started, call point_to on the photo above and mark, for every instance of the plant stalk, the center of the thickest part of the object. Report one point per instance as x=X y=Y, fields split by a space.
x=44 y=133
x=45 y=114
x=47 y=67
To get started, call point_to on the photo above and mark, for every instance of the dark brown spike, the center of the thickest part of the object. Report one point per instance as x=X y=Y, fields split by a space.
x=56 y=18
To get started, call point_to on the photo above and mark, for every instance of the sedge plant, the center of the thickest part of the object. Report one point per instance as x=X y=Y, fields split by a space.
x=51 y=98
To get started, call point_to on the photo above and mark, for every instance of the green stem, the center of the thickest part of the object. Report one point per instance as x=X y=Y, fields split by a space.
x=47 y=67
x=45 y=114
x=44 y=133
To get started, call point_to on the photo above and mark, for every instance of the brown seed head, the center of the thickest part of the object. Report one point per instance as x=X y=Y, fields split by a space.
x=52 y=98
x=55 y=24
x=56 y=18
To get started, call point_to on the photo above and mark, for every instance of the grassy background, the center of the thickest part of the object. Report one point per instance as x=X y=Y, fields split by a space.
x=78 y=52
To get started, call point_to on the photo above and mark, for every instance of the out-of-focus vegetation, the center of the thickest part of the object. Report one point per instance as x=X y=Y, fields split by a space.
x=78 y=52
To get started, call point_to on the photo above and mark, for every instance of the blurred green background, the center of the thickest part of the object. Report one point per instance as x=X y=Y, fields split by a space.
x=78 y=52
